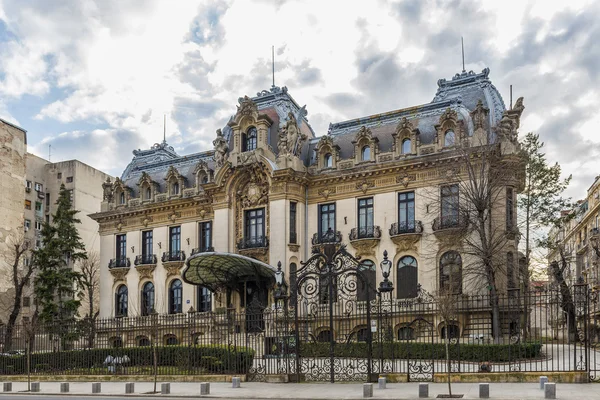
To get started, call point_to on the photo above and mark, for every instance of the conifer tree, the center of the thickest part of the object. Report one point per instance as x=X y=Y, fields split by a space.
x=56 y=281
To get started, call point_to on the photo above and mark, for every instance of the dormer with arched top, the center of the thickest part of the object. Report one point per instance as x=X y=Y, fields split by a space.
x=366 y=146
x=203 y=174
x=148 y=188
x=250 y=133
x=406 y=139
x=175 y=183
x=328 y=153
x=122 y=193
x=448 y=130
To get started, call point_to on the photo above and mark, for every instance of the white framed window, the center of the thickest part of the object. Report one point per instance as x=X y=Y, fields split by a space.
x=27 y=225
x=38 y=226
x=39 y=187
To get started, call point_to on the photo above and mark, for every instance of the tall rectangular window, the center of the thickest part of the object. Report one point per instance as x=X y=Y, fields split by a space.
x=450 y=203
x=39 y=187
x=121 y=246
x=326 y=219
x=293 y=232
x=510 y=213
x=174 y=239
x=147 y=238
x=205 y=236
x=28 y=204
x=204 y=299
x=47 y=199
x=365 y=217
x=510 y=271
x=255 y=227
x=406 y=212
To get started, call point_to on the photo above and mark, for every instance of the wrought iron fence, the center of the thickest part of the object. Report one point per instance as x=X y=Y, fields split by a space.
x=537 y=332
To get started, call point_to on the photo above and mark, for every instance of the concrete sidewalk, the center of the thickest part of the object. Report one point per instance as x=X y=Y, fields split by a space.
x=313 y=391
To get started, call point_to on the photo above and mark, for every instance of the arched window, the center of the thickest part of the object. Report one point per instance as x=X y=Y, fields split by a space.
x=450 y=332
x=122 y=198
x=205 y=179
x=328 y=161
x=147 y=298
x=204 y=299
x=449 y=138
x=143 y=341
x=121 y=298
x=451 y=273
x=148 y=193
x=406 y=333
x=366 y=153
x=175 y=188
x=406 y=146
x=366 y=290
x=362 y=335
x=407 y=278
x=171 y=340
x=324 y=336
x=116 y=342
x=175 y=297
x=250 y=140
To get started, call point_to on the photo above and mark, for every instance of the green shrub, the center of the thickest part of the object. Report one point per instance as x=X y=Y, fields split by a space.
x=408 y=350
x=203 y=359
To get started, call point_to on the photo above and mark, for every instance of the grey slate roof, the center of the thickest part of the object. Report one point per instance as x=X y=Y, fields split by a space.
x=460 y=94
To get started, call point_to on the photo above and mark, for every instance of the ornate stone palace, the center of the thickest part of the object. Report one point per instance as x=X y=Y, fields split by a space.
x=271 y=190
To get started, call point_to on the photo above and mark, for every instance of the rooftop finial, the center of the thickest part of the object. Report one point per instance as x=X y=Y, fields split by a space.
x=273 y=63
x=462 y=45
x=165 y=128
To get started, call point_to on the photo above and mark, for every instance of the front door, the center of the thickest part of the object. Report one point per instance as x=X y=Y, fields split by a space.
x=256 y=295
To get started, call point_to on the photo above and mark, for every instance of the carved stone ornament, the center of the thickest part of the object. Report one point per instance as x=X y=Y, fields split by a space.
x=406 y=179
x=326 y=192
x=107 y=188
x=260 y=254
x=145 y=271
x=290 y=137
x=365 y=185
x=173 y=217
x=449 y=115
x=294 y=247
x=119 y=274
x=146 y=220
x=255 y=192
x=364 y=247
x=201 y=212
x=221 y=149
x=247 y=107
x=120 y=224
x=406 y=242
x=173 y=268
x=479 y=115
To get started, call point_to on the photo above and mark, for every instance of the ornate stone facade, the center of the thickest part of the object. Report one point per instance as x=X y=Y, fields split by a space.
x=272 y=189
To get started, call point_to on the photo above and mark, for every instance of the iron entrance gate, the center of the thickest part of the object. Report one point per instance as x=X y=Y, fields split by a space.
x=332 y=298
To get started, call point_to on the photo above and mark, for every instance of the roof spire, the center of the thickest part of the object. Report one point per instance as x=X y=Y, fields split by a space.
x=273 y=63
x=165 y=128
x=462 y=45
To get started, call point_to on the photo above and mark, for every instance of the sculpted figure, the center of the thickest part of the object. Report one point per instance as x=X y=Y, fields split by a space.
x=221 y=148
x=108 y=190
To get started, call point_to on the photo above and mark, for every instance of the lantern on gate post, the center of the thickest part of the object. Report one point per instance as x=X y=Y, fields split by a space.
x=386 y=270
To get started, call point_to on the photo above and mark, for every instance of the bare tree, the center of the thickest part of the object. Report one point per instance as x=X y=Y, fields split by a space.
x=447 y=310
x=89 y=284
x=558 y=270
x=19 y=272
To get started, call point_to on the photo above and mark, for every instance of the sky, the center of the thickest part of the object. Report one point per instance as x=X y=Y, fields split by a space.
x=92 y=80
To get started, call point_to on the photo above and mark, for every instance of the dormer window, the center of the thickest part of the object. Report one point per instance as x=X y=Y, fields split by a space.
x=328 y=161
x=406 y=146
x=449 y=138
x=122 y=198
x=250 y=140
x=205 y=179
x=148 y=193
x=175 y=189
x=366 y=153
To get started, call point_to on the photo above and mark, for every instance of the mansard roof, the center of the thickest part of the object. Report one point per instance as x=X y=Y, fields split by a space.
x=461 y=93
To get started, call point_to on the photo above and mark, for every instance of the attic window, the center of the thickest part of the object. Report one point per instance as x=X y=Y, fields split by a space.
x=449 y=138
x=205 y=179
x=148 y=194
x=366 y=153
x=175 y=189
x=250 y=140
x=406 y=146
x=122 y=198
x=327 y=161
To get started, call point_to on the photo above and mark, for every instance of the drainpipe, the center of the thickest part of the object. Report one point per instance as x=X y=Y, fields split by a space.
x=306 y=223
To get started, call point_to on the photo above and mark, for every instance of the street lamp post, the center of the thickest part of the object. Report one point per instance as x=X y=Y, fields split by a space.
x=280 y=294
x=385 y=288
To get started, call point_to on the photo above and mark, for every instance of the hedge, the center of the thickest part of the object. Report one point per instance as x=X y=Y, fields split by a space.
x=399 y=350
x=210 y=359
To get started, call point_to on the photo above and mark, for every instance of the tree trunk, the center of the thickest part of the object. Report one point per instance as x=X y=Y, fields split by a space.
x=12 y=319
x=448 y=363
x=496 y=332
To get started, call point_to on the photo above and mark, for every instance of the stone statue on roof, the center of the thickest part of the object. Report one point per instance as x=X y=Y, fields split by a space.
x=107 y=187
x=221 y=149
x=290 y=137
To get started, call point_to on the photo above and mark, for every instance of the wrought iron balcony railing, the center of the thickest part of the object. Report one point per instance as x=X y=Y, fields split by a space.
x=145 y=259
x=178 y=255
x=365 y=232
x=119 y=262
x=253 y=242
x=448 y=222
x=330 y=236
x=199 y=250
x=403 y=227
